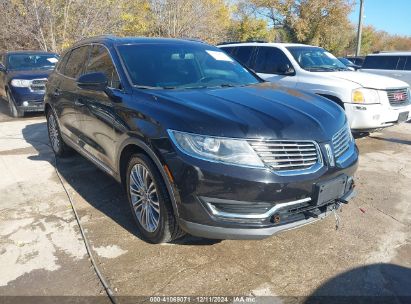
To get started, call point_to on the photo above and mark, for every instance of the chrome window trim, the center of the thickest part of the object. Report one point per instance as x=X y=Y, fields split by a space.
x=267 y=214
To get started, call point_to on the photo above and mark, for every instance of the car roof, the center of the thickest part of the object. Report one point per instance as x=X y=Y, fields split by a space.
x=391 y=54
x=111 y=40
x=273 y=44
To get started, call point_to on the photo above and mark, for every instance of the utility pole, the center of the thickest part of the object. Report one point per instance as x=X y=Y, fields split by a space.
x=359 y=32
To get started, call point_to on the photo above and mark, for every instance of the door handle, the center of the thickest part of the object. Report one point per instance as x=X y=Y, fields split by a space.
x=79 y=103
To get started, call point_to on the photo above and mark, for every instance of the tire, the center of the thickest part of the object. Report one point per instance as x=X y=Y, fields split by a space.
x=57 y=143
x=150 y=202
x=14 y=112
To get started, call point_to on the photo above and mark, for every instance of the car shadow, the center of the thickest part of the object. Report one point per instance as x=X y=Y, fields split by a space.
x=94 y=186
x=393 y=140
x=375 y=283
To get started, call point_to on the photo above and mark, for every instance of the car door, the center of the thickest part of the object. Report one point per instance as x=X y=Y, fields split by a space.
x=269 y=65
x=97 y=116
x=63 y=90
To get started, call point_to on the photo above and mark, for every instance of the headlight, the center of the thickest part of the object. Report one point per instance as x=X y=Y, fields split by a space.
x=21 y=83
x=365 y=96
x=216 y=149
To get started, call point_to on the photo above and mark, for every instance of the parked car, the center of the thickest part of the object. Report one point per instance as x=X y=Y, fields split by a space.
x=370 y=101
x=201 y=144
x=349 y=64
x=23 y=75
x=393 y=64
x=358 y=60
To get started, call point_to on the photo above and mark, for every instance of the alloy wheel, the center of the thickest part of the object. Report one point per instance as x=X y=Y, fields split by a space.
x=144 y=197
x=54 y=133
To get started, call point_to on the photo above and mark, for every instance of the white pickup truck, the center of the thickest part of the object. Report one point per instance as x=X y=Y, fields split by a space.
x=370 y=101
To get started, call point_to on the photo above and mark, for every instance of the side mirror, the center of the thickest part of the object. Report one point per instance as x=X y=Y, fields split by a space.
x=93 y=81
x=2 y=68
x=285 y=69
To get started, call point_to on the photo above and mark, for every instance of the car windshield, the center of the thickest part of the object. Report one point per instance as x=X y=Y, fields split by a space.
x=31 y=61
x=315 y=59
x=345 y=61
x=182 y=66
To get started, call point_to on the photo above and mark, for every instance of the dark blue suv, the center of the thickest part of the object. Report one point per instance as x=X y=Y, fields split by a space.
x=200 y=143
x=23 y=75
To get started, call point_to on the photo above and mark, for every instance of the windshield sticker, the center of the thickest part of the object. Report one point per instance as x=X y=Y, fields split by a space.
x=52 y=60
x=219 y=55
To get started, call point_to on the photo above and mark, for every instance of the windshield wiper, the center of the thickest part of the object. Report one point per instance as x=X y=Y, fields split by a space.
x=146 y=87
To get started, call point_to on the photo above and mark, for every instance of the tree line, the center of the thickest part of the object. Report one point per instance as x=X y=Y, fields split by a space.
x=53 y=25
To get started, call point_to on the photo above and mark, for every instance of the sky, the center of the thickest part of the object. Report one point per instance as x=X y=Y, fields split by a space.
x=392 y=16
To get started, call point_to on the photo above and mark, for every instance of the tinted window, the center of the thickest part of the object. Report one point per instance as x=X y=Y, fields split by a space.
x=401 y=63
x=243 y=54
x=228 y=50
x=100 y=61
x=380 y=62
x=269 y=60
x=62 y=62
x=315 y=59
x=185 y=66
x=31 y=61
x=76 y=62
x=407 y=66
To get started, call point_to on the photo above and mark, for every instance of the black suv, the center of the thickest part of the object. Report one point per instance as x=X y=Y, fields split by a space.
x=200 y=143
x=23 y=75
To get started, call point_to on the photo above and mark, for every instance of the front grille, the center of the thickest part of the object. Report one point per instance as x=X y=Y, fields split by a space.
x=287 y=155
x=38 y=84
x=398 y=97
x=341 y=141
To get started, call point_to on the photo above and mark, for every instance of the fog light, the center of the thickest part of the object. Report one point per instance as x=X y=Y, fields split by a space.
x=25 y=104
x=276 y=218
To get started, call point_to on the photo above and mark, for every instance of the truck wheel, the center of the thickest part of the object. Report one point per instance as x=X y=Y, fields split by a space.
x=150 y=202
x=14 y=112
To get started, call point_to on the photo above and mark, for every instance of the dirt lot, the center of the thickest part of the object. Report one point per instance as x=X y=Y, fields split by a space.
x=42 y=252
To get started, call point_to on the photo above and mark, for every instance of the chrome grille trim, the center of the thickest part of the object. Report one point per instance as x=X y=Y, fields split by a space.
x=38 y=84
x=341 y=141
x=288 y=157
x=393 y=101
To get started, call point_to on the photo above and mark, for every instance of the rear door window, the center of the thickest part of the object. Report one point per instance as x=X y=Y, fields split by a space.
x=229 y=49
x=269 y=60
x=76 y=62
x=381 y=62
x=407 y=66
x=100 y=61
x=244 y=54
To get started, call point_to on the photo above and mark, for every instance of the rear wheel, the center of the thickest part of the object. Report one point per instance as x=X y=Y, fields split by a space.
x=14 y=112
x=56 y=141
x=150 y=202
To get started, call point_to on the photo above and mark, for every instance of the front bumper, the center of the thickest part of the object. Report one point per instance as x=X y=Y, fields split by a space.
x=230 y=202
x=364 y=117
x=27 y=100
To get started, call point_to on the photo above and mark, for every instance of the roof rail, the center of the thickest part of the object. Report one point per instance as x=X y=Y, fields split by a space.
x=247 y=41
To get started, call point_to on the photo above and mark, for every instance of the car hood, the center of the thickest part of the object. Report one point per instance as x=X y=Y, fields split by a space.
x=368 y=80
x=259 y=111
x=28 y=74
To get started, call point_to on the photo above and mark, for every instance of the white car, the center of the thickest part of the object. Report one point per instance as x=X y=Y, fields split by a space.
x=370 y=101
x=393 y=64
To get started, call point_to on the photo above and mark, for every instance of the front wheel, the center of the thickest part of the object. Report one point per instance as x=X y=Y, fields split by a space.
x=150 y=202
x=14 y=112
x=56 y=141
